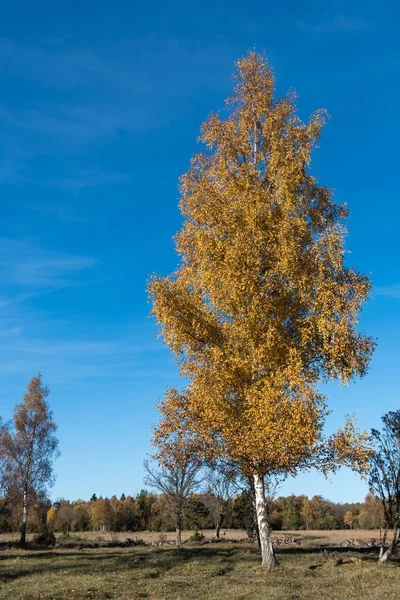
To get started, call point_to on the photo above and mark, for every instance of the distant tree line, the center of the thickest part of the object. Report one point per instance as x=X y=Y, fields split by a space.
x=190 y=491
x=152 y=512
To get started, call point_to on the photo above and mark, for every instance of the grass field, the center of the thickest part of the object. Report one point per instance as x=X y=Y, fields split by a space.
x=318 y=537
x=318 y=568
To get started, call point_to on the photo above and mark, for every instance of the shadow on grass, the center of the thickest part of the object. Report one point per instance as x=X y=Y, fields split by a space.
x=151 y=562
x=369 y=555
x=154 y=562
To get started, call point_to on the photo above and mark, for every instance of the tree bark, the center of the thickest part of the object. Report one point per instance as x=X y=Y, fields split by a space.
x=256 y=527
x=267 y=551
x=253 y=503
x=385 y=554
x=24 y=518
x=178 y=538
x=218 y=526
x=383 y=543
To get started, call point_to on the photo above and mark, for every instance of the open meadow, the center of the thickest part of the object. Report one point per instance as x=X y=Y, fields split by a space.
x=318 y=566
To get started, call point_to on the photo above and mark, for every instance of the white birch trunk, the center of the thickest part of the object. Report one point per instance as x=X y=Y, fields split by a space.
x=24 y=518
x=267 y=551
x=178 y=531
x=383 y=543
x=385 y=554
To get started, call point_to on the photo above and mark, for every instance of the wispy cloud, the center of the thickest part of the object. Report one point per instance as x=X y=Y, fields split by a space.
x=65 y=361
x=11 y=331
x=25 y=264
x=57 y=210
x=388 y=291
x=67 y=358
x=87 y=179
x=42 y=346
x=71 y=123
x=336 y=24
x=60 y=129
x=64 y=66
x=82 y=96
x=135 y=66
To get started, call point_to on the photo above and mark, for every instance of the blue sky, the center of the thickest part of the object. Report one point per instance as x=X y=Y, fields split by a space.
x=100 y=108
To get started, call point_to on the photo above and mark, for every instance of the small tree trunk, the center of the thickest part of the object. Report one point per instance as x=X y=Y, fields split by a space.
x=383 y=543
x=178 y=538
x=384 y=555
x=218 y=526
x=24 y=518
x=267 y=552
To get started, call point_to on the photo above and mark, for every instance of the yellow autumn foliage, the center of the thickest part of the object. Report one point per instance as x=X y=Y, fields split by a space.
x=263 y=307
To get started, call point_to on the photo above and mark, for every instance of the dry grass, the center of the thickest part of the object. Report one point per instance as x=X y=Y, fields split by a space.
x=316 y=569
x=213 y=572
x=318 y=537
x=335 y=538
x=146 y=536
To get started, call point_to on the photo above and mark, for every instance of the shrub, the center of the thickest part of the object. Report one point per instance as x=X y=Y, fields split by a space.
x=139 y=542
x=196 y=537
x=44 y=538
x=4 y=526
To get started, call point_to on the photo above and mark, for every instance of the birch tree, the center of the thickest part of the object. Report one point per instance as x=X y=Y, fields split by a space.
x=262 y=308
x=29 y=447
x=384 y=479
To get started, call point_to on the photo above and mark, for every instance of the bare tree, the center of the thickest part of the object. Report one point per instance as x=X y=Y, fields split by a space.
x=384 y=478
x=29 y=447
x=177 y=480
x=221 y=486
